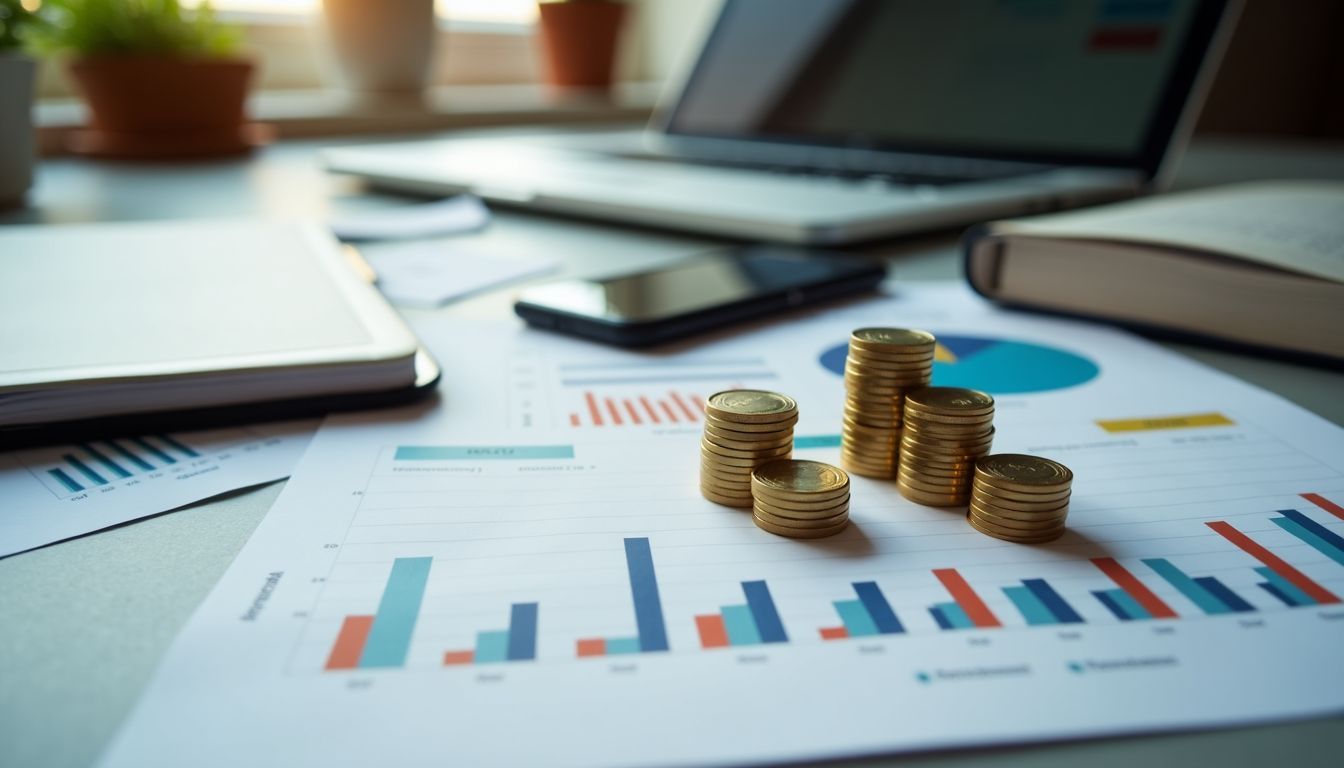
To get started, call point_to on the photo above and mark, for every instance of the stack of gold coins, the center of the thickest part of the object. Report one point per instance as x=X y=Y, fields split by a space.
x=1020 y=498
x=946 y=430
x=743 y=429
x=800 y=499
x=882 y=365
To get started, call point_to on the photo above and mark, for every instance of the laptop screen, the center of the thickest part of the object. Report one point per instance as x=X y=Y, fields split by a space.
x=1062 y=81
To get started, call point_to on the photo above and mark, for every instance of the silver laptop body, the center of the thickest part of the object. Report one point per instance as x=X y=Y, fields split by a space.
x=847 y=120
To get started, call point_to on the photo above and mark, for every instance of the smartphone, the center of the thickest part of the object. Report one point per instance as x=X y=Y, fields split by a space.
x=703 y=293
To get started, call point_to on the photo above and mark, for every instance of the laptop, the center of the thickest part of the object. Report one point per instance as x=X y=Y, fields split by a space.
x=839 y=121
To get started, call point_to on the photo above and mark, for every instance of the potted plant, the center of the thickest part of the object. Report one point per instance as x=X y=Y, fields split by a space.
x=159 y=82
x=579 y=40
x=16 y=105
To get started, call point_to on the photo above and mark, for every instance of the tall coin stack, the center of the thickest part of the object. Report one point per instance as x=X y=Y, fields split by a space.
x=1020 y=498
x=800 y=499
x=744 y=428
x=883 y=364
x=946 y=430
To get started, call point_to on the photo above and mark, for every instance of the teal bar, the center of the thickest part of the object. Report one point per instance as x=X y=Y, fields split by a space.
x=855 y=618
x=817 y=441
x=1286 y=587
x=1309 y=538
x=1030 y=606
x=390 y=636
x=955 y=615
x=177 y=446
x=102 y=458
x=491 y=646
x=1197 y=594
x=620 y=645
x=481 y=452
x=1129 y=605
x=737 y=619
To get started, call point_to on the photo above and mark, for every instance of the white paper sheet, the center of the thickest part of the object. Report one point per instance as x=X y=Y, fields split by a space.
x=451 y=216
x=430 y=274
x=58 y=492
x=516 y=523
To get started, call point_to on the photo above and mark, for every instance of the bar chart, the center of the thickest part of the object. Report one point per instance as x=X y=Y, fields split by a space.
x=651 y=631
x=754 y=622
x=517 y=643
x=643 y=409
x=869 y=615
x=100 y=463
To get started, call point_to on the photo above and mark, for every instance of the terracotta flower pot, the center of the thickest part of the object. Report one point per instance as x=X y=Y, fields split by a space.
x=578 y=41
x=164 y=106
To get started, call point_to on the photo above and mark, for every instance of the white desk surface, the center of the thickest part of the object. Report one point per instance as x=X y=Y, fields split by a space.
x=83 y=624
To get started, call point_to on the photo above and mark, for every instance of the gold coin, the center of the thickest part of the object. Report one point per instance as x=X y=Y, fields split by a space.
x=923 y=470
x=968 y=433
x=1020 y=472
x=931 y=484
x=856 y=372
x=721 y=425
x=1022 y=517
x=869 y=468
x=727 y=474
x=751 y=406
x=913 y=435
x=808 y=509
x=747 y=445
x=873 y=421
x=922 y=357
x=800 y=476
x=930 y=499
x=951 y=400
x=925 y=417
x=756 y=453
x=940 y=457
x=1031 y=526
x=999 y=533
x=994 y=492
x=733 y=461
x=792 y=522
x=1013 y=505
x=890 y=339
x=725 y=500
x=798 y=533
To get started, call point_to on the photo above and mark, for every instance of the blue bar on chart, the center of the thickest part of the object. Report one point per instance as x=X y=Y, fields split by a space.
x=389 y=638
x=649 y=623
x=1122 y=605
x=107 y=463
x=755 y=623
x=1311 y=533
x=1210 y=595
x=871 y=614
x=65 y=480
x=517 y=643
x=84 y=469
x=178 y=446
x=153 y=450
x=1040 y=604
x=127 y=454
x=950 y=616
x=1287 y=592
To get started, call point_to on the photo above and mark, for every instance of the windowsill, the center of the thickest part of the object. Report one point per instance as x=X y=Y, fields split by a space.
x=315 y=113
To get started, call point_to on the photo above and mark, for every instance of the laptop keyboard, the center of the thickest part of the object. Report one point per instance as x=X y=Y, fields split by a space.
x=875 y=170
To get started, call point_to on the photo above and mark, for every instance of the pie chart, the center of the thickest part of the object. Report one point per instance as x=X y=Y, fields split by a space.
x=996 y=366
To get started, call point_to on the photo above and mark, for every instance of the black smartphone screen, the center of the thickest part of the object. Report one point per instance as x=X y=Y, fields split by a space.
x=699 y=294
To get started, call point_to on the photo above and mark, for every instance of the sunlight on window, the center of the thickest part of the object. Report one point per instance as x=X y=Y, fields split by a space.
x=485 y=11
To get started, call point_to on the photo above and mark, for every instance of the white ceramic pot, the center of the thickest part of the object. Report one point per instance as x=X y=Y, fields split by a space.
x=17 y=147
x=384 y=48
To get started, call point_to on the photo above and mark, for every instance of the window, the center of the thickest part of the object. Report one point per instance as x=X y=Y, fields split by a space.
x=492 y=12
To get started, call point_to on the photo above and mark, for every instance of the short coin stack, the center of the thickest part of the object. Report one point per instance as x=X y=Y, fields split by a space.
x=883 y=364
x=1020 y=498
x=946 y=430
x=800 y=499
x=743 y=429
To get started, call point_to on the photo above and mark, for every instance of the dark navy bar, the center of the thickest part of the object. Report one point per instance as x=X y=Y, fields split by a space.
x=131 y=457
x=872 y=598
x=763 y=611
x=84 y=469
x=644 y=589
x=1225 y=596
x=523 y=632
x=101 y=458
x=1275 y=591
x=1112 y=606
x=65 y=480
x=177 y=446
x=148 y=446
x=938 y=616
x=1053 y=602
x=1311 y=525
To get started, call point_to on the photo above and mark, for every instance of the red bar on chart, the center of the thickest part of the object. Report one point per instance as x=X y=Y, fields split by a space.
x=1326 y=504
x=667 y=409
x=644 y=401
x=1134 y=588
x=686 y=409
x=574 y=420
x=455 y=658
x=593 y=410
x=970 y=602
x=634 y=414
x=595 y=646
x=350 y=642
x=713 y=634
x=615 y=413
x=834 y=633
x=1297 y=578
